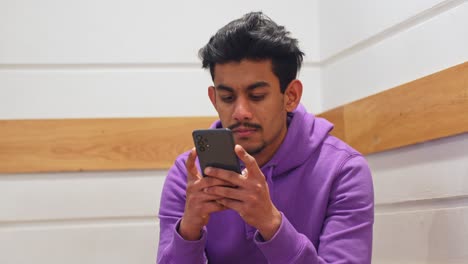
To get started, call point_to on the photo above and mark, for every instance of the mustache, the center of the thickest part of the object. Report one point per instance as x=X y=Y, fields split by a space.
x=244 y=124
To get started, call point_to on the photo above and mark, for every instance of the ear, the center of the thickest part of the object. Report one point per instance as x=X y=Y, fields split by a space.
x=292 y=95
x=212 y=95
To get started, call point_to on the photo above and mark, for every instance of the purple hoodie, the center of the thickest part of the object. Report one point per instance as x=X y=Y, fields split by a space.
x=322 y=187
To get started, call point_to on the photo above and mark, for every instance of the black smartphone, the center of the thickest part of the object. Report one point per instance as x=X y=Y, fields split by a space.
x=215 y=148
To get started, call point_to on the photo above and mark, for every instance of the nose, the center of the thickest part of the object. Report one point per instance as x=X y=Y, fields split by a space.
x=242 y=110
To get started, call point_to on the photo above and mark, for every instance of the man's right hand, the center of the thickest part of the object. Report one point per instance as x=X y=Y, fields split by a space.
x=198 y=204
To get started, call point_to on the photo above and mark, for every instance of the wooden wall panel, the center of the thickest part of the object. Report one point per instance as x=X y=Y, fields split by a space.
x=429 y=108
x=432 y=107
x=336 y=116
x=94 y=144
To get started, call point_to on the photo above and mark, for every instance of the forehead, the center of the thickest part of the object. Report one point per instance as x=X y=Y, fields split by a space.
x=244 y=73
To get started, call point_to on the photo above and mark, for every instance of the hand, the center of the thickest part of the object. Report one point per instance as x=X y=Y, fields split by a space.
x=251 y=199
x=199 y=204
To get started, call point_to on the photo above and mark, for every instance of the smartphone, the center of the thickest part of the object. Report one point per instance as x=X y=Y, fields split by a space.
x=215 y=148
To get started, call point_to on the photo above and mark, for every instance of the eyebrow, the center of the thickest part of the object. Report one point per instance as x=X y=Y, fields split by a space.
x=251 y=87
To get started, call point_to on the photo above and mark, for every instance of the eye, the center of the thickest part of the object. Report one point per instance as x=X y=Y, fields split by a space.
x=257 y=97
x=227 y=98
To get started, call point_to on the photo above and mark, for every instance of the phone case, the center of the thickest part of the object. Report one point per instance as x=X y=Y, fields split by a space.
x=215 y=148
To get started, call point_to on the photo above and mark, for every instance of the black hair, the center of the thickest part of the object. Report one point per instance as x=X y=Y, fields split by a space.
x=256 y=37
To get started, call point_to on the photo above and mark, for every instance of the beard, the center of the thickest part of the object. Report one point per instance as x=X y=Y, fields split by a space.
x=252 y=150
x=256 y=149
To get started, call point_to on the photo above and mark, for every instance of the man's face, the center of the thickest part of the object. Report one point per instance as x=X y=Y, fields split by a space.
x=248 y=100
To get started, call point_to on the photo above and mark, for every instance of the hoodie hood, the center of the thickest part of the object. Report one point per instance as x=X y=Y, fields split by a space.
x=305 y=134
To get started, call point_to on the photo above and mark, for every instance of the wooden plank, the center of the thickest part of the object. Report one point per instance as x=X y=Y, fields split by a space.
x=336 y=116
x=94 y=144
x=432 y=107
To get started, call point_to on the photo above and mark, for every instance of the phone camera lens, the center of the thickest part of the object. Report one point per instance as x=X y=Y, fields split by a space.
x=202 y=148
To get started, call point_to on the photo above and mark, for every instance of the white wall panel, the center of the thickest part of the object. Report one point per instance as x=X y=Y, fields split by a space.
x=432 y=46
x=311 y=95
x=104 y=93
x=34 y=197
x=346 y=23
x=90 y=93
x=431 y=237
x=138 y=31
x=435 y=169
x=122 y=243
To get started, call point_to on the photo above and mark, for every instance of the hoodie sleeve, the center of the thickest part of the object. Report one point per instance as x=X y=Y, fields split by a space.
x=347 y=228
x=172 y=247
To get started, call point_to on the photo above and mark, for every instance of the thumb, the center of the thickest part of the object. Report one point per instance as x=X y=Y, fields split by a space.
x=249 y=161
x=192 y=171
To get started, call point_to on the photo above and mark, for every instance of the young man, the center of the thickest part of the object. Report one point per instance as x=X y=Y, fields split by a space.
x=304 y=196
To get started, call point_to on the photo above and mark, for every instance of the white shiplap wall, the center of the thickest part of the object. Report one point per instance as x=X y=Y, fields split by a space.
x=421 y=191
x=86 y=59
x=68 y=59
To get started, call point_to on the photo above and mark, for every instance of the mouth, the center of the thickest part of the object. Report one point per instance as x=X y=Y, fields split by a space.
x=244 y=132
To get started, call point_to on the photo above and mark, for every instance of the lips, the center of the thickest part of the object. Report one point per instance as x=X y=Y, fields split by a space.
x=244 y=131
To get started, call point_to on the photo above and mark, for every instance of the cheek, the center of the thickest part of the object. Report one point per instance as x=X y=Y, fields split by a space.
x=273 y=120
x=271 y=112
x=268 y=120
x=224 y=114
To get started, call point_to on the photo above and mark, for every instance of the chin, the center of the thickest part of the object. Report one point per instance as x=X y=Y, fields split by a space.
x=254 y=149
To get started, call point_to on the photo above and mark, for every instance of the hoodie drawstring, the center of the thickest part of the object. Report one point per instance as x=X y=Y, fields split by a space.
x=269 y=176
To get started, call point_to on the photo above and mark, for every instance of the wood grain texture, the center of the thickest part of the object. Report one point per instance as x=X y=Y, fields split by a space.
x=336 y=116
x=429 y=108
x=432 y=107
x=94 y=144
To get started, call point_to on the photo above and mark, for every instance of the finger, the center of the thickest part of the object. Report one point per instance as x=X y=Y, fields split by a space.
x=215 y=206
x=227 y=176
x=198 y=186
x=192 y=170
x=249 y=161
x=203 y=197
x=232 y=204
x=209 y=181
x=205 y=209
x=245 y=172
x=227 y=192
x=205 y=182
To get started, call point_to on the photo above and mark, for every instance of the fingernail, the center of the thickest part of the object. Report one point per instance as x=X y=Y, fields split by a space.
x=207 y=170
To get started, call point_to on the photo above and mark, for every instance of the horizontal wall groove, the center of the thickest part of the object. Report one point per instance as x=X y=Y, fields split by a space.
x=99 y=66
x=431 y=204
x=393 y=30
x=311 y=64
x=114 y=66
x=78 y=222
x=83 y=175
